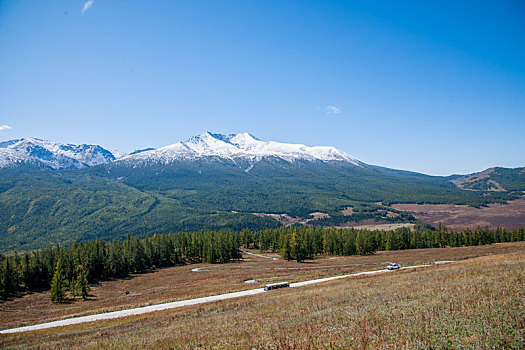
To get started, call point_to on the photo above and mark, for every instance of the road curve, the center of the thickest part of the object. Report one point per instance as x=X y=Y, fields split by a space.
x=259 y=255
x=176 y=304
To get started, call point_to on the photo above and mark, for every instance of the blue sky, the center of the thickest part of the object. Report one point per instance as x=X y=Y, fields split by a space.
x=434 y=87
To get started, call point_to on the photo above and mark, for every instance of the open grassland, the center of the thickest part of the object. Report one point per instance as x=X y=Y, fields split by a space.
x=179 y=283
x=474 y=303
x=460 y=217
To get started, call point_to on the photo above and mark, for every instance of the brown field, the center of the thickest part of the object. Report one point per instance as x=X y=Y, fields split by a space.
x=375 y=226
x=460 y=217
x=347 y=211
x=284 y=219
x=179 y=283
x=287 y=220
x=476 y=303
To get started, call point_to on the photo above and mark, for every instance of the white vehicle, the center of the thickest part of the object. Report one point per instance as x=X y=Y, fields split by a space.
x=276 y=285
x=393 y=266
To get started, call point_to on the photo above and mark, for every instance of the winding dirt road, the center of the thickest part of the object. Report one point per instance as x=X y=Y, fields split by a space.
x=176 y=304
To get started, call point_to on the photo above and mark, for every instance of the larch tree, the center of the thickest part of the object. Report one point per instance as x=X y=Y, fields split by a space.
x=58 y=292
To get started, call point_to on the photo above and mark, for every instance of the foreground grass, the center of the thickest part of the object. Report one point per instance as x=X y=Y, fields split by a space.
x=476 y=303
x=179 y=283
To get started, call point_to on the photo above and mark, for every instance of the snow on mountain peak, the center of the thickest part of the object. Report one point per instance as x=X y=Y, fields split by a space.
x=51 y=154
x=240 y=146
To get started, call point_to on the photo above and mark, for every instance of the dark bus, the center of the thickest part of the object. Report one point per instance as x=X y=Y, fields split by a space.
x=276 y=285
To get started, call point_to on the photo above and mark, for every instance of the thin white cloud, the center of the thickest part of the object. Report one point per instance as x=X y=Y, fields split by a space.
x=87 y=5
x=332 y=110
x=5 y=127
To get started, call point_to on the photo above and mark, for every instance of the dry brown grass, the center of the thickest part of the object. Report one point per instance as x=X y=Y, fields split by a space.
x=178 y=283
x=476 y=303
x=383 y=227
x=459 y=217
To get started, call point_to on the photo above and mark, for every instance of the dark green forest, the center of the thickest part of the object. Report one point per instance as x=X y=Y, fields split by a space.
x=75 y=266
x=100 y=260
x=300 y=243
x=41 y=207
x=293 y=188
x=364 y=211
x=510 y=179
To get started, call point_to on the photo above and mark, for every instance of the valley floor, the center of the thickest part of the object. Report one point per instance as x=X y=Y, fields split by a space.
x=460 y=217
x=474 y=303
x=200 y=280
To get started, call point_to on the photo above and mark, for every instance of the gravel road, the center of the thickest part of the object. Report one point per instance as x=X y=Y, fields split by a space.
x=176 y=304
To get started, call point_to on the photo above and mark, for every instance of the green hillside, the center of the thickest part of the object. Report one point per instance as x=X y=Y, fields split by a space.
x=42 y=207
x=293 y=188
x=495 y=179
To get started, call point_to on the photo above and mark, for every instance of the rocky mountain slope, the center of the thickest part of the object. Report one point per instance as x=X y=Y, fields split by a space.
x=237 y=148
x=47 y=154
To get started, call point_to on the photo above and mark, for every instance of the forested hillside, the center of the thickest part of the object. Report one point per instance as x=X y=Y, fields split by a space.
x=494 y=179
x=42 y=206
x=77 y=265
x=294 y=188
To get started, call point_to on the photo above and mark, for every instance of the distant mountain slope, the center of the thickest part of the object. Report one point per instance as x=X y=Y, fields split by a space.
x=44 y=207
x=13 y=158
x=52 y=155
x=273 y=185
x=52 y=193
x=493 y=179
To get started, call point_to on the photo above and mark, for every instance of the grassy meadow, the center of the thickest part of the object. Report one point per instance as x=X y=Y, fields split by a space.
x=475 y=303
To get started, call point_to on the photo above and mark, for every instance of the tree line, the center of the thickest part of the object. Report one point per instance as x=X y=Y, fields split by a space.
x=73 y=268
x=300 y=243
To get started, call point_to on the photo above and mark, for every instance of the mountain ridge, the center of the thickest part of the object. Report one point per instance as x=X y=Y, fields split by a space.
x=242 y=149
x=210 y=181
x=242 y=146
x=52 y=155
x=233 y=147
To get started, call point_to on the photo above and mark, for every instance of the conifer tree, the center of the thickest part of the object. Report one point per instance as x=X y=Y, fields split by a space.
x=8 y=278
x=81 y=283
x=294 y=246
x=359 y=246
x=58 y=292
x=73 y=289
x=285 y=247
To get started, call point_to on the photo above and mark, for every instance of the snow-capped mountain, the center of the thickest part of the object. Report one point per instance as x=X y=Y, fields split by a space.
x=243 y=149
x=10 y=157
x=52 y=155
x=237 y=147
